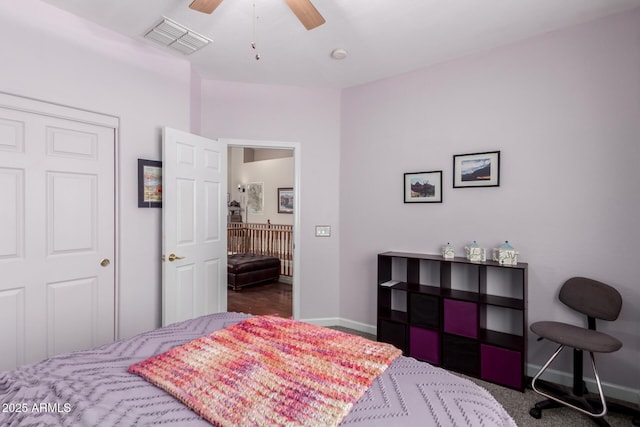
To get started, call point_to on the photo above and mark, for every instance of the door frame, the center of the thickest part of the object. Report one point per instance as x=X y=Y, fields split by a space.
x=296 y=147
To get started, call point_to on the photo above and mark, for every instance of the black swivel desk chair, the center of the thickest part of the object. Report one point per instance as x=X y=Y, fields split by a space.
x=597 y=301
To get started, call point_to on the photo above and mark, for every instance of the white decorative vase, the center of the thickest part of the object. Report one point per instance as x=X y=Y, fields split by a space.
x=475 y=253
x=447 y=251
x=505 y=254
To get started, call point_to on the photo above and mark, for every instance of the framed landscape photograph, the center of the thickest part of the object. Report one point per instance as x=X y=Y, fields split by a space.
x=476 y=170
x=285 y=200
x=149 y=183
x=423 y=187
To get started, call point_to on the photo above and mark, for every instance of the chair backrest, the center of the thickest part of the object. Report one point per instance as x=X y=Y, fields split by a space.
x=590 y=297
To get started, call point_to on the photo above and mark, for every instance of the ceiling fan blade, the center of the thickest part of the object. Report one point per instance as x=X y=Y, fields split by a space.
x=306 y=13
x=205 y=6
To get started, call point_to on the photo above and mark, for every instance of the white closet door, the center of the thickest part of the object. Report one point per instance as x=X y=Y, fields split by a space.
x=57 y=235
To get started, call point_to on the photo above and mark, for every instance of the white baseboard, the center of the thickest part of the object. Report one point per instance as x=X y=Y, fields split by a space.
x=615 y=391
x=345 y=323
x=322 y=321
x=357 y=326
x=286 y=279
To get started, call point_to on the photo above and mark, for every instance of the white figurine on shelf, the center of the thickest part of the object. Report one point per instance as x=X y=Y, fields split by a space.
x=505 y=254
x=475 y=253
x=448 y=252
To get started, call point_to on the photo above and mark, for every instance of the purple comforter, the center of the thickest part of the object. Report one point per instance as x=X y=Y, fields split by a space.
x=93 y=388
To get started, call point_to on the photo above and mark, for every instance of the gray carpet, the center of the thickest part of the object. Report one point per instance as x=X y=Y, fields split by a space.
x=518 y=405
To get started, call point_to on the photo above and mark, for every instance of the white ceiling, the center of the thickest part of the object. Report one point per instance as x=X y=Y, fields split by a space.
x=383 y=38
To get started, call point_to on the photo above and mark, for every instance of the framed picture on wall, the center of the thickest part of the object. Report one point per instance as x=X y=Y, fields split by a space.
x=255 y=198
x=423 y=187
x=285 y=200
x=149 y=183
x=476 y=170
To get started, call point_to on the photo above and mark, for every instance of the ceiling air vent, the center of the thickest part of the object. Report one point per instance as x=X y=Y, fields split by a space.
x=176 y=36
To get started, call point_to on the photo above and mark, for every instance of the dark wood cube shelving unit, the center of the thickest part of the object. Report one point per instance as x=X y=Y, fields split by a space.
x=469 y=317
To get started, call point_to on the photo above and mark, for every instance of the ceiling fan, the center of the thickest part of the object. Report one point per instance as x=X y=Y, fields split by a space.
x=303 y=9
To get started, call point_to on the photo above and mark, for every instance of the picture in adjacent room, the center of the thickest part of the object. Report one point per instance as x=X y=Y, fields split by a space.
x=255 y=198
x=285 y=200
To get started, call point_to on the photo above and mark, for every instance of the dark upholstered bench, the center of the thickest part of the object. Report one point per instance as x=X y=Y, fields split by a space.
x=247 y=269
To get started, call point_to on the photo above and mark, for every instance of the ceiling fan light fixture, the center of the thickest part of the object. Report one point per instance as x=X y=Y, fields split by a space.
x=339 y=53
x=176 y=36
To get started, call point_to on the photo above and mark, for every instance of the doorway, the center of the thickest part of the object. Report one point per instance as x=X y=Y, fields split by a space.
x=260 y=175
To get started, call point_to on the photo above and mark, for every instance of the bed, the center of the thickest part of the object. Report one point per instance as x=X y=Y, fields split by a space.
x=95 y=387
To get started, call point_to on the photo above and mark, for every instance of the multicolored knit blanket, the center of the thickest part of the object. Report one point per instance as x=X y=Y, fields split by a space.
x=270 y=371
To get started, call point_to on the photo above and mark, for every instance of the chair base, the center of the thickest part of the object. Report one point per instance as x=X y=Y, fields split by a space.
x=536 y=411
x=587 y=403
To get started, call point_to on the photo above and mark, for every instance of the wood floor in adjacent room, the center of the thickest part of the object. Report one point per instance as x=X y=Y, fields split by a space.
x=262 y=298
x=271 y=298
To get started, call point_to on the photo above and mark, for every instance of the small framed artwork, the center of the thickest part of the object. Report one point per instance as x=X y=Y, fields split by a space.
x=423 y=187
x=476 y=170
x=149 y=183
x=285 y=200
x=255 y=198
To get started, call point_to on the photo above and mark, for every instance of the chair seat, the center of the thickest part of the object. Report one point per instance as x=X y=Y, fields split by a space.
x=576 y=337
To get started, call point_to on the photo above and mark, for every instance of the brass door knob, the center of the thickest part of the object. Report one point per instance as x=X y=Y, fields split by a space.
x=105 y=262
x=173 y=257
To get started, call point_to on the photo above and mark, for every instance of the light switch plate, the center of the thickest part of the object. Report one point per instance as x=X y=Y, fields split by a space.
x=323 y=230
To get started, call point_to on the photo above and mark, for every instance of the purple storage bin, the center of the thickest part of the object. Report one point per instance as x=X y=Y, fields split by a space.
x=461 y=318
x=424 y=345
x=501 y=366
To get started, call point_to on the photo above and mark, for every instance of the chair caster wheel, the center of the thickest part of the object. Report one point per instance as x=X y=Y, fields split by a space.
x=536 y=413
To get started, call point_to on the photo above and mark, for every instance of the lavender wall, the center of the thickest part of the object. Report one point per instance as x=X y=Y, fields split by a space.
x=310 y=117
x=564 y=110
x=53 y=56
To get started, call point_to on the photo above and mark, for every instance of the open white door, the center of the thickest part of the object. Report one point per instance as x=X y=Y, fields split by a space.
x=194 y=241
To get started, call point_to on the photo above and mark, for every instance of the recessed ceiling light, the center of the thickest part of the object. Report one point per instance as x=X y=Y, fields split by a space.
x=339 y=53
